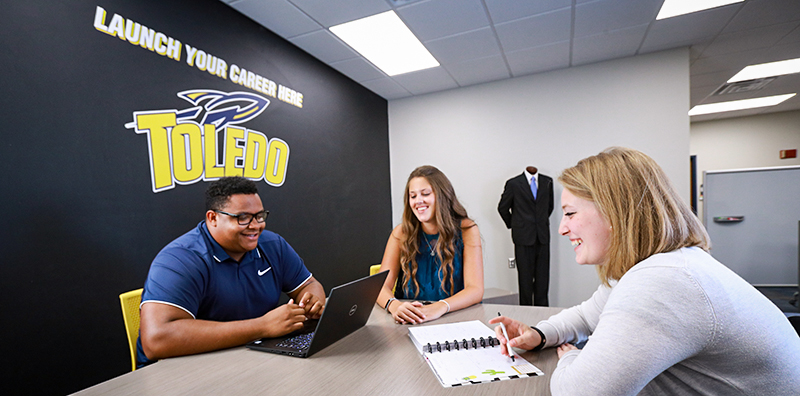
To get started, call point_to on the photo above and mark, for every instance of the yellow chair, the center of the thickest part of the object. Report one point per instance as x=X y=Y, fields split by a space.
x=130 y=314
x=374 y=269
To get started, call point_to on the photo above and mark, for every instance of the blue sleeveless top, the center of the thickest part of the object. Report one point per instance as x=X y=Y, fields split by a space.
x=428 y=275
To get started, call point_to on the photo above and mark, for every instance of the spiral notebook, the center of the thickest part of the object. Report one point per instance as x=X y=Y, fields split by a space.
x=466 y=353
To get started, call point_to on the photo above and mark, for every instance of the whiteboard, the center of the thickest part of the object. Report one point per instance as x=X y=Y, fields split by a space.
x=763 y=248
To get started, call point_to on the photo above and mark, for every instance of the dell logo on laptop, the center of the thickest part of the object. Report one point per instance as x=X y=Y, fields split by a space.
x=353 y=309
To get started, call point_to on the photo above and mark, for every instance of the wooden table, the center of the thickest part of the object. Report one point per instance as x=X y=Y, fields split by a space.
x=378 y=359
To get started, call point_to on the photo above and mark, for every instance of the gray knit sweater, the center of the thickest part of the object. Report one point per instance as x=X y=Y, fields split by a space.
x=677 y=323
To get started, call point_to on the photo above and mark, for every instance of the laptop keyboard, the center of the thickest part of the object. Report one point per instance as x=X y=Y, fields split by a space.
x=297 y=342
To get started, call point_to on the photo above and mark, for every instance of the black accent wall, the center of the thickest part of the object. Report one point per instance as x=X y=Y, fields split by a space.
x=80 y=220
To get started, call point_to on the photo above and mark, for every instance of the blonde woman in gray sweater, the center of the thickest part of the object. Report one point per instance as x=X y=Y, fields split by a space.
x=668 y=318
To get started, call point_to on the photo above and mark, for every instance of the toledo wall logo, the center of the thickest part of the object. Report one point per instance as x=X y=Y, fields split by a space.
x=183 y=144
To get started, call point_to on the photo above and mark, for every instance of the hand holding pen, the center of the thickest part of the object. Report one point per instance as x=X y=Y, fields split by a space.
x=505 y=336
x=517 y=335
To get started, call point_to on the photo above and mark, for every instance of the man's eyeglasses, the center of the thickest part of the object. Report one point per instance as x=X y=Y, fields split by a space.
x=246 y=218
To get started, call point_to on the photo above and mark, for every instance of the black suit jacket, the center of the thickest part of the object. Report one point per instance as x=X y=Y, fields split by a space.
x=528 y=220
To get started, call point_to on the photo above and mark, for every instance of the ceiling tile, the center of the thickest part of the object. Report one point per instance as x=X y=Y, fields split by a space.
x=711 y=81
x=748 y=39
x=792 y=37
x=686 y=29
x=789 y=105
x=535 y=31
x=605 y=15
x=759 y=13
x=734 y=61
x=386 y=88
x=324 y=46
x=778 y=53
x=278 y=16
x=425 y=81
x=540 y=59
x=614 y=44
x=536 y=34
x=439 y=18
x=358 y=69
x=697 y=48
x=789 y=83
x=477 y=71
x=479 y=43
x=509 y=10
x=696 y=95
x=332 y=13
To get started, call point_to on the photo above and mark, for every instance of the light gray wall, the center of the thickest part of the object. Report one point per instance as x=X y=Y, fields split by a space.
x=744 y=142
x=481 y=136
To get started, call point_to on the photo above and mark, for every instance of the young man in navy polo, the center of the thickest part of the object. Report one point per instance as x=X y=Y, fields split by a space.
x=218 y=285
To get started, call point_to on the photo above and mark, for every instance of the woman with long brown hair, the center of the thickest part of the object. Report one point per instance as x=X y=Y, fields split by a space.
x=435 y=252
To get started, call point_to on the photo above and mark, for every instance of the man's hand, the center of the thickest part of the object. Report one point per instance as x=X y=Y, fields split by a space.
x=284 y=320
x=312 y=305
x=311 y=297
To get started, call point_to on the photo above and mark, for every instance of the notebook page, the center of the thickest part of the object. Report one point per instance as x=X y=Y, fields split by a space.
x=423 y=335
x=478 y=365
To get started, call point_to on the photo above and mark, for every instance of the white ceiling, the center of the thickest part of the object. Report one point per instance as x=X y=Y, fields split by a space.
x=478 y=41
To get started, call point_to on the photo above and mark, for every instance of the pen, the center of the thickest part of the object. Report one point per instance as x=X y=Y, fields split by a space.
x=505 y=334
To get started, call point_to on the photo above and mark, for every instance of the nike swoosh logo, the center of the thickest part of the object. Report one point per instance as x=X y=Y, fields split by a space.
x=264 y=271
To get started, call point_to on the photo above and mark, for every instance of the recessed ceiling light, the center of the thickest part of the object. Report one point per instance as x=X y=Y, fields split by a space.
x=771 y=69
x=672 y=8
x=386 y=42
x=739 y=104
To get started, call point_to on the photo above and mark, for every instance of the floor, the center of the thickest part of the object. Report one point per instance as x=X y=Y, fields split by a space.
x=781 y=297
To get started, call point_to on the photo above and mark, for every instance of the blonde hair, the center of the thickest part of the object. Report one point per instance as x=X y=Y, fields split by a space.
x=637 y=199
x=448 y=214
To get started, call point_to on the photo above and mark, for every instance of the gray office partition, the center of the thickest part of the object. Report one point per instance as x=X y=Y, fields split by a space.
x=751 y=216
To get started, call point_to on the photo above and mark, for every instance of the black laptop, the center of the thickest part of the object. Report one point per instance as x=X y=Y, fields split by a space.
x=346 y=310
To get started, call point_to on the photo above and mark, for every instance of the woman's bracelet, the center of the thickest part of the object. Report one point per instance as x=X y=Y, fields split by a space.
x=541 y=344
x=446 y=303
x=387 y=304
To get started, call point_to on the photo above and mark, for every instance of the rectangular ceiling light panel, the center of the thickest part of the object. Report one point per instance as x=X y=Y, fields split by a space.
x=672 y=8
x=739 y=104
x=386 y=42
x=771 y=69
